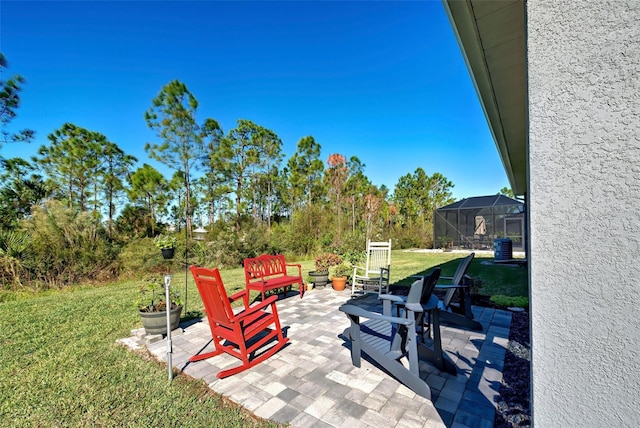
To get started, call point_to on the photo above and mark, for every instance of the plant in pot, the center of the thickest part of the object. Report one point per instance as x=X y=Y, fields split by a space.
x=323 y=262
x=167 y=244
x=152 y=307
x=340 y=276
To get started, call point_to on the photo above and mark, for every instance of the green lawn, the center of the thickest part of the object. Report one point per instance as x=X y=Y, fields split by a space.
x=60 y=365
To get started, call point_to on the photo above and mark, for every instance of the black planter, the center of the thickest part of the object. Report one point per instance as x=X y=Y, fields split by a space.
x=156 y=322
x=167 y=253
x=320 y=279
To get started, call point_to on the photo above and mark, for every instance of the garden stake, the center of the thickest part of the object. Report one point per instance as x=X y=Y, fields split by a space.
x=167 y=285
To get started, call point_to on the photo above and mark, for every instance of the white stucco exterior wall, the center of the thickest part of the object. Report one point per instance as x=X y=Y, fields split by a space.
x=584 y=202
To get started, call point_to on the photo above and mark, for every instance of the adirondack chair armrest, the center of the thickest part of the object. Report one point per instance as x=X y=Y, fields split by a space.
x=450 y=286
x=257 y=307
x=359 y=312
x=393 y=298
x=450 y=278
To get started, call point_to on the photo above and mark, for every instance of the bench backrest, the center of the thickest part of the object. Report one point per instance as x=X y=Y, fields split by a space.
x=263 y=266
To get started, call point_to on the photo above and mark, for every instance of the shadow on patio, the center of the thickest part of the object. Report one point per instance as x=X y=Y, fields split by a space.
x=311 y=382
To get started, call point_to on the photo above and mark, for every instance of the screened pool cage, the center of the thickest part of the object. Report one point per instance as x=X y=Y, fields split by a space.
x=474 y=223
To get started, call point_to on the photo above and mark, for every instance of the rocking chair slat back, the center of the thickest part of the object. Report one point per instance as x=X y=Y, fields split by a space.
x=378 y=256
x=214 y=295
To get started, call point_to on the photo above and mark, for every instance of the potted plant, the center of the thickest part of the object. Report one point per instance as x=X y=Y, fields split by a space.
x=152 y=307
x=167 y=244
x=340 y=276
x=322 y=264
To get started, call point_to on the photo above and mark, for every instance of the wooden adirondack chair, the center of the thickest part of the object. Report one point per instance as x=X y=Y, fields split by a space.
x=387 y=339
x=430 y=282
x=239 y=334
x=459 y=284
x=429 y=305
x=375 y=275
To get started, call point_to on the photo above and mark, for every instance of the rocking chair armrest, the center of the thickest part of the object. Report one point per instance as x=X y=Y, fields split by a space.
x=258 y=307
x=244 y=294
x=359 y=268
x=359 y=312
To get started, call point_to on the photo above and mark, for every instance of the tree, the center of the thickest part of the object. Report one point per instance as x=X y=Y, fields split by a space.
x=417 y=196
x=505 y=191
x=305 y=171
x=9 y=103
x=21 y=189
x=244 y=153
x=356 y=188
x=115 y=167
x=173 y=116
x=71 y=162
x=148 y=188
x=213 y=180
x=336 y=176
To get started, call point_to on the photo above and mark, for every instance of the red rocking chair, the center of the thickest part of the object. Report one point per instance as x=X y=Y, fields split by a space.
x=241 y=334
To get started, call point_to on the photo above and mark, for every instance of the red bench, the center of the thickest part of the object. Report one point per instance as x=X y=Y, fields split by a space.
x=268 y=272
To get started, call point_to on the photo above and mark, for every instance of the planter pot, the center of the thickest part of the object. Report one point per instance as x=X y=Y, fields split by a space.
x=320 y=279
x=156 y=322
x=167 y=253
x=339 y=283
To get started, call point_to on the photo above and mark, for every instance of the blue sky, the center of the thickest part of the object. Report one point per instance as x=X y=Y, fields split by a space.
x=384 y=81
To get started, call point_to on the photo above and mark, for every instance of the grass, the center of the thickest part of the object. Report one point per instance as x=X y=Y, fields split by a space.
x=61 y=365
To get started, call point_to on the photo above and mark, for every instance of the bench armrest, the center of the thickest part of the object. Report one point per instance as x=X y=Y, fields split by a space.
x=295 y=265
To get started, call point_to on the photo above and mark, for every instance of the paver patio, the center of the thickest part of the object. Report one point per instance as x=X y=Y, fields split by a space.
x=312 y=383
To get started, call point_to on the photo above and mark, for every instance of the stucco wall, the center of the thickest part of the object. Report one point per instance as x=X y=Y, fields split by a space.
x=584 y=201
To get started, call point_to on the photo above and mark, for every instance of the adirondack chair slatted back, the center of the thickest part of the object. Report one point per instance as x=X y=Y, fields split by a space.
x=378 y=256
x=429 y=285
x=458 y=277
x=214 y=296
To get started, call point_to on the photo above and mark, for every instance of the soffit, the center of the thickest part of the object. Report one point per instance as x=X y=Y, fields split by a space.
x=491 y=37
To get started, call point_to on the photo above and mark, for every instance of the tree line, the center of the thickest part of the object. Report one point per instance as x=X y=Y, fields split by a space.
x=81 y=210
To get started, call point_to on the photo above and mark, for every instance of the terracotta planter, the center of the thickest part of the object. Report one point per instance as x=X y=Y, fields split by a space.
x=340 y=283
x=156 y=322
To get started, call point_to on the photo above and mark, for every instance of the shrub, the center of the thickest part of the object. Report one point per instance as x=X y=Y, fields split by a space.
x=67 y=247
x=511 y=301
x=324 y=261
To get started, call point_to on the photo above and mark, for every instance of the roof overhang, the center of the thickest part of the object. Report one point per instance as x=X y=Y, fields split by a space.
x=491 y=35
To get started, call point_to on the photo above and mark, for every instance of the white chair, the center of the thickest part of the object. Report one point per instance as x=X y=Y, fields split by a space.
x=374 y=276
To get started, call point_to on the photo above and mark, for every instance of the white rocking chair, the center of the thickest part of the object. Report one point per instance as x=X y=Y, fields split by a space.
x=375 y=275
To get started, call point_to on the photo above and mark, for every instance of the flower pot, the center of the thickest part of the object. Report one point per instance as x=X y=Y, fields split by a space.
x=339 y=283
x=156 y=322
x=320 y=279
x=167 y=253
